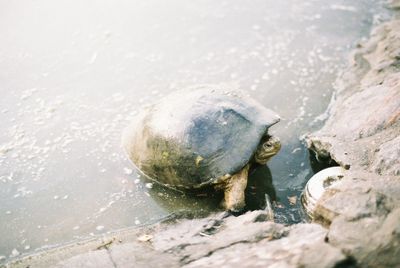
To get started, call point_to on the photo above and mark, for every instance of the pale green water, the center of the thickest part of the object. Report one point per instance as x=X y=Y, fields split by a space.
x=74 y=73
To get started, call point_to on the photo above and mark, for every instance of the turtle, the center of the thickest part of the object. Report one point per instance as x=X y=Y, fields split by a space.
x=206 y=136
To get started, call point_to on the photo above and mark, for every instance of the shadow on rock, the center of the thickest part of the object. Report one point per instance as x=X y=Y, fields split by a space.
x=318 y=164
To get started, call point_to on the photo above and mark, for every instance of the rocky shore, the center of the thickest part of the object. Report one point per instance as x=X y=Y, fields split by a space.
x=362 y=134
x=359 y=218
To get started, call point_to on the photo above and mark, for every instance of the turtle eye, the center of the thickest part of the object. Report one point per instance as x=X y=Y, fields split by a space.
x=267 y=145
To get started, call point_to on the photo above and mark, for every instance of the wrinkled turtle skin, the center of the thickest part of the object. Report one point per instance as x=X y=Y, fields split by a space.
x=199 y=137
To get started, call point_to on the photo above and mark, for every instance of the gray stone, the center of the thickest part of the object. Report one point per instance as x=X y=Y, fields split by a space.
x=303 y=246
x=93 y=259
x=194 y=239
x=358 y=195
x=394 y=4
x=373 y=241
x=387 y=158
x=362 y=134
x=363 y=127
x=250 y=240
x=138 y=255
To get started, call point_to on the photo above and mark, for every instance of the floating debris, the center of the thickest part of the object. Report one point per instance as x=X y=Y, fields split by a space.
x=128 y=171
x=292 y=200
x=100 y=227
x=14 y=253
x=296 y=150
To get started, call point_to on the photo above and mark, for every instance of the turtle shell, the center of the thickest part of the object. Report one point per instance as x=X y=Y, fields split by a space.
x=192 y=138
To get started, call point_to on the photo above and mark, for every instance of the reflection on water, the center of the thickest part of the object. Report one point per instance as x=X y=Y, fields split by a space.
x=74 y=73
x=198 y=203
x=259 y=187
x=187 y=204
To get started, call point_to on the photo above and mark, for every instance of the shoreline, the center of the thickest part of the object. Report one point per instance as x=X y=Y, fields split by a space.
x=360 y=216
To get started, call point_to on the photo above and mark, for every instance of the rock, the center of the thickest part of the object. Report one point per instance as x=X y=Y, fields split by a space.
x=135 y=255
x=395 y=4
x=99 y=258
x=376 y=243
x=362 y=134
x=194 y=239
x=359 y=195
x=387 y=158
x=120 y=255
x=302 y=246
x=249 y=240
x=363 y=213
x=366 y=136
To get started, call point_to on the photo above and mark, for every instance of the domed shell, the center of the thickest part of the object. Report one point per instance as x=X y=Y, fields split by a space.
x=191 y=138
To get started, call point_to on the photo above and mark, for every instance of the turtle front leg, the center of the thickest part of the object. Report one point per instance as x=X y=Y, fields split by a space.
x=234 y=199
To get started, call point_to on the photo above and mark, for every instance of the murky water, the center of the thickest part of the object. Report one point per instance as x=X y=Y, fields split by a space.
x=74 y=73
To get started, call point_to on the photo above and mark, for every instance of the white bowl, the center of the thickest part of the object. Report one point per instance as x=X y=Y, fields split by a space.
x=316 y=187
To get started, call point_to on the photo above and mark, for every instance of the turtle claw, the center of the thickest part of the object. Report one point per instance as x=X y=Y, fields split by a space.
x=236 y=212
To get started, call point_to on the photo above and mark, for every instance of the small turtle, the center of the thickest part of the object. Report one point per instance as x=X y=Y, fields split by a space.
x=201 y=137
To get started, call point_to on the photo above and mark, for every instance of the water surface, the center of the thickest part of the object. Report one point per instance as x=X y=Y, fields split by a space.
x=74 y=73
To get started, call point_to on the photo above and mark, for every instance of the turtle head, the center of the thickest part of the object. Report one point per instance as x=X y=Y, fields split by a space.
x=268 y=147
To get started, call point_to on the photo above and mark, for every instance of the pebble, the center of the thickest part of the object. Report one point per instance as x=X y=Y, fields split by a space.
x=145 y=238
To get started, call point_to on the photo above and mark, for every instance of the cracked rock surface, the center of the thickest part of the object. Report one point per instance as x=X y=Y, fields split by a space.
x=362 y=134
x=363 y=128
x=250 y=240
